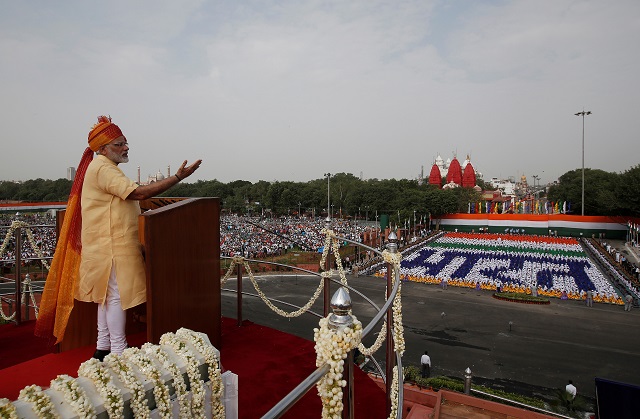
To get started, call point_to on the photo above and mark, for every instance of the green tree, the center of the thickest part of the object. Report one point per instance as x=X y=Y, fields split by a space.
x=599 y=192
x=628 y=192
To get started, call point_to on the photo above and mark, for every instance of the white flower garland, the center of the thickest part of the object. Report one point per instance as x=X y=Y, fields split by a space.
x=138 y=401
x=331 y=242
x=235 y=261
x=392 y=258
x=101 y=377
x=7 y=409
x=100 y=373
x=21 y=224
x=178 y=380
x=196 y=383
x=398 y=328
x=74 y=396
x=217 y=407
x=146 y=366
x=281 y=312
x=8 y=236
x=39 y=400
x=332 y=347
x=382 y=335
x=26 y=287
x=394 y=394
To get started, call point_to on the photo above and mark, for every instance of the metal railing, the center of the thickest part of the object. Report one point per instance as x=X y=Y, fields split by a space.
x=392 y=358
x=17 y=300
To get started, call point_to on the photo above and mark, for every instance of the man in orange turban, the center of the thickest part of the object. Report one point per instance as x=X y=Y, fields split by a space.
x=99 y=257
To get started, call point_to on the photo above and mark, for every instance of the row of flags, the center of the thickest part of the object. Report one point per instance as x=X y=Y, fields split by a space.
x=520 y=207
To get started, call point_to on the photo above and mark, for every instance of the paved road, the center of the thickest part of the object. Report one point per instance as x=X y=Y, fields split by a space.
x=545 y=346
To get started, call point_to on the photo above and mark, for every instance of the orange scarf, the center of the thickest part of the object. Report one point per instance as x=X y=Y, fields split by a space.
x=59 y=290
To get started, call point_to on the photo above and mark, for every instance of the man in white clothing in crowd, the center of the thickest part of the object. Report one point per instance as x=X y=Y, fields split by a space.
x=425 y=362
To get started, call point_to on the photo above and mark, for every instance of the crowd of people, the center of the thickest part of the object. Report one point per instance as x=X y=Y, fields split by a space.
x=545 y=265
x=44 y=236
x=548 y=266
x=253 y=237
x=257 y=237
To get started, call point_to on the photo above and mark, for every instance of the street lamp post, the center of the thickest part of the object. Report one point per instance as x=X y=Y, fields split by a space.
x=328 y=175
x=414 y=223
x=583 y=113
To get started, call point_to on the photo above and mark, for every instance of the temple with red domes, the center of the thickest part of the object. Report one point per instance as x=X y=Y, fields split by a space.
x=456 y=175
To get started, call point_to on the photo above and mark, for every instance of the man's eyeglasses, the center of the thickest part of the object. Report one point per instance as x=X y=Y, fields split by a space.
x=119 y=145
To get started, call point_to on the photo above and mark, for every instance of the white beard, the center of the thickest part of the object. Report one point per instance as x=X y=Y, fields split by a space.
x=115 y=157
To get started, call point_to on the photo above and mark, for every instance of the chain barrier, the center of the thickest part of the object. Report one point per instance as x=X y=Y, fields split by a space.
x=27 y=287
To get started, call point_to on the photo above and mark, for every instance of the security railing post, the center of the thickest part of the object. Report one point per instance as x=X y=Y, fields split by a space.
x=239 y=290
x=348 y=396
x=341 y=318
x=467 y=380
x=327 y=267
x=392 y=247
x=18 y=251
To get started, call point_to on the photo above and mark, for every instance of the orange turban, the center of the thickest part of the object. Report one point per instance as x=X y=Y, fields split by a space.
x=103 y=133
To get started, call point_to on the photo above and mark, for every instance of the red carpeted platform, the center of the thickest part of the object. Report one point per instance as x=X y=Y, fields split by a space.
x=269 y=364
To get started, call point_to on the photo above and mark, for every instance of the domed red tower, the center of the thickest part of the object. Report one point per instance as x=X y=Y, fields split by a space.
x=469 y=176
x=434 y=176
x=455 y=172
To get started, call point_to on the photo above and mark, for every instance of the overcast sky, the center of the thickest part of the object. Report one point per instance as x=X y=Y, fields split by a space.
x=291 y=90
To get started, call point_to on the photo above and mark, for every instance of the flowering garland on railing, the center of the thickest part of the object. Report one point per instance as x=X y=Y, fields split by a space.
x=196 y=339
x=382 y=335
x=146 y=366
x=196 y=383
x=101 y=377
x=27 y=288
x=27 y=284
x=7 y=409
x=332 y=347
x=256 y=286
x=236 y=260
x=39 y=400
x=8 y=236
x=178 y=380
x=74 y=396
x=21 y=224
x=394 y=394
x=392 y=258
x=398 y=329
x=331 y=242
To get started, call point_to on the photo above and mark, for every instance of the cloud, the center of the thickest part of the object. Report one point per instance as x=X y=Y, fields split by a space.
x=291 y=90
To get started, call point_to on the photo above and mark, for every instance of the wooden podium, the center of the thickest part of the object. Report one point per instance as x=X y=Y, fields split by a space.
x=182 y=257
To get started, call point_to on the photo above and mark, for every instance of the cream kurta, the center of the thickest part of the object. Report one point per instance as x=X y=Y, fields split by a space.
x=110 y=235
